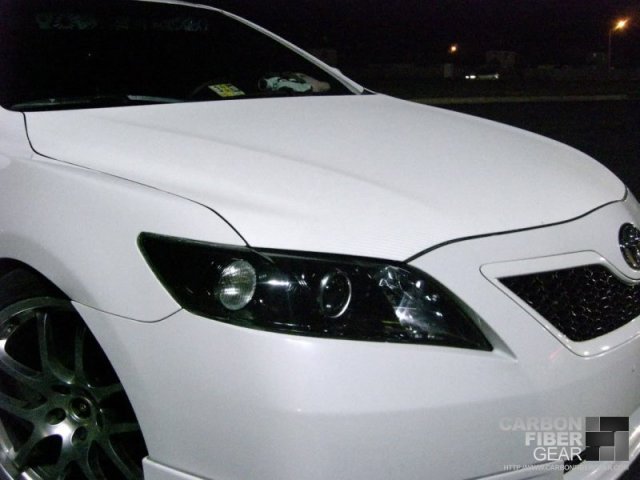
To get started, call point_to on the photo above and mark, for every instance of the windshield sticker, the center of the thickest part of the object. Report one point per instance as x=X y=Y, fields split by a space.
x=226 y=90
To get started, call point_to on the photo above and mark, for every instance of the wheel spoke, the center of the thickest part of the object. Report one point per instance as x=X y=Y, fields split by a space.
x=89 y=465
x=44 y=340
x=22 y=374
x=124 y=427
x=103 y=393
x=130 y=472
x=18 y=408
x=79 y=347
x=89 y=471
x=46 y=346
x=61 y=469
x=20 y=457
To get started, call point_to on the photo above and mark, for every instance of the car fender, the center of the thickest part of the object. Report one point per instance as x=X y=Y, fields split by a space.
x=82 y=229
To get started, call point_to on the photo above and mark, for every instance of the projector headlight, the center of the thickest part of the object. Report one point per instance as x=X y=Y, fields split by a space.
x=310 y=294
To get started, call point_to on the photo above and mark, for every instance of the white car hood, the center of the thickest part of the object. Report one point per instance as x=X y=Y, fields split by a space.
x=363 y=175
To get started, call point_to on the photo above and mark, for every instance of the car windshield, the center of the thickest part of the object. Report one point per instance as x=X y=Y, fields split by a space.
x=62 y=54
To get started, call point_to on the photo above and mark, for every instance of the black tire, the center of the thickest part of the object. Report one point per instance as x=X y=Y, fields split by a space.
x=63 y=411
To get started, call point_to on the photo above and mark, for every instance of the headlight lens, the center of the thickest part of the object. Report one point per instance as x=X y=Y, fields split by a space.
x=310 y=294
x=237 y=285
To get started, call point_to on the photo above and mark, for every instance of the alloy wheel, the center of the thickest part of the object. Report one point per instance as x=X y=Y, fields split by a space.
x=63 y=412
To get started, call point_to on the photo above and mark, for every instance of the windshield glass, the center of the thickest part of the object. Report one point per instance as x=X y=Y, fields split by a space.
x=62 y=54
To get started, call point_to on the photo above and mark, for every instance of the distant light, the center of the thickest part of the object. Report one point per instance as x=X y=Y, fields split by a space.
x=620 y=24
x=453 y=48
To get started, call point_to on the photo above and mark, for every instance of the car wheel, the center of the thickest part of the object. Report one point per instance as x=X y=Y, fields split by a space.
x=63 y=411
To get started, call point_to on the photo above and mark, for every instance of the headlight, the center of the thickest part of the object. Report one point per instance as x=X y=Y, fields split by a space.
x=311 y=294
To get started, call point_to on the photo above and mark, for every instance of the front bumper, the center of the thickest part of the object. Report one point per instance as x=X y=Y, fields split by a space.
x=222 y=402
x=549 y=471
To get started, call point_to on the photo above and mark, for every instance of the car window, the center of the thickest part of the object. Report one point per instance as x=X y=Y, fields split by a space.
x=75 y=54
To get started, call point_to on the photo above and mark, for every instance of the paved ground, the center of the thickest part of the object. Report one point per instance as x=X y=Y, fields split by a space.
x=609 y=131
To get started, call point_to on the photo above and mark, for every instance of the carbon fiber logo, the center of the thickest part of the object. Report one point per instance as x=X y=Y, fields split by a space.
x=607 y=438
x=629 y=238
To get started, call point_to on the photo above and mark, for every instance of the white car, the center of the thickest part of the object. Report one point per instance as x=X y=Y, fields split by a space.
x=205 y=278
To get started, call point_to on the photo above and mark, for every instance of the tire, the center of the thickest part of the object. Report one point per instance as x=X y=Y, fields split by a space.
x=63 y=411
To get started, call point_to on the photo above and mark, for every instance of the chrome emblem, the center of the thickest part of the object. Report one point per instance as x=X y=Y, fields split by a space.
x=630 y=245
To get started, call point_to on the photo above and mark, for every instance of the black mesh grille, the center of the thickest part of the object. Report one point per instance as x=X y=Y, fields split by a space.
x=583 y=302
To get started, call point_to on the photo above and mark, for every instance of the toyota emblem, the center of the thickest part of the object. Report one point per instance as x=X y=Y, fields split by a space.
x=630 y=245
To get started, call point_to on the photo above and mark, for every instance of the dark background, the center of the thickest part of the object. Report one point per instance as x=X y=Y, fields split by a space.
x=541 y=31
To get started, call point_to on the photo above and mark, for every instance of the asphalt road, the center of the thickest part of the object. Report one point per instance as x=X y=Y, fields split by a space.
x=609 y=131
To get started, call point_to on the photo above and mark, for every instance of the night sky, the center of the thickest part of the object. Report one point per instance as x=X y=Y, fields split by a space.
x=366 y=31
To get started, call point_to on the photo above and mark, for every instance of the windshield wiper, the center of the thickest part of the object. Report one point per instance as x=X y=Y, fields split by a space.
x=153 y=99
x=91 y=101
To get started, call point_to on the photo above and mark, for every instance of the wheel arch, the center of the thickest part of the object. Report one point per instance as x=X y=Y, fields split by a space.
x=8 y=265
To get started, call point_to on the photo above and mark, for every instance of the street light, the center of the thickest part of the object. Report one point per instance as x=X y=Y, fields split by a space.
x=619 y=25
x=453 y=49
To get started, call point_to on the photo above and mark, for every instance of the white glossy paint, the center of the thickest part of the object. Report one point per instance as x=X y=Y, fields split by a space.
x=364 y=175
x=79 y=228
x=313 y=409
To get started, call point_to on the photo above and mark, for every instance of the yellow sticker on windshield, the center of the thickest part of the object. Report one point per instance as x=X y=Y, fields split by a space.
x=226 y=90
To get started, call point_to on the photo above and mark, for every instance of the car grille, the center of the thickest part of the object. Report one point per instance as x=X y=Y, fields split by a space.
x=582 y=302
